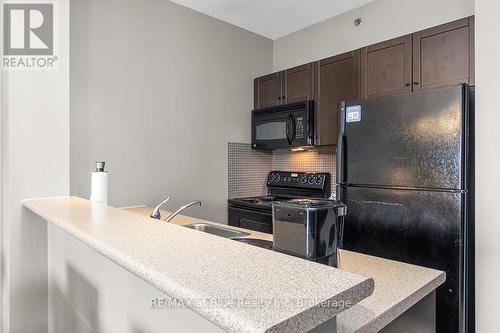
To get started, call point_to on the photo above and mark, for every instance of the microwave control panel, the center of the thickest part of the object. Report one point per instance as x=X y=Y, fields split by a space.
x=299 y=128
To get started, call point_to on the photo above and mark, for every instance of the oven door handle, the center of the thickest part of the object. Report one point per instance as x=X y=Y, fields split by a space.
x=290 y=133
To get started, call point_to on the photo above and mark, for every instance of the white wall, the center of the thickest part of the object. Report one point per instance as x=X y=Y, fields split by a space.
x=382 y=20
x=35 y=163
x=157 y=91
x=487 y=162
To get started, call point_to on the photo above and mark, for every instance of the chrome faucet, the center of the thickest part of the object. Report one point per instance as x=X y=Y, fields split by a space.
x=156 y=211
x=174 y=214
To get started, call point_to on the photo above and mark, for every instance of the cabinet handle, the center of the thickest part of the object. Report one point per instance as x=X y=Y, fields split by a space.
x=407 y=85
x=279 y=98
x=416 y=83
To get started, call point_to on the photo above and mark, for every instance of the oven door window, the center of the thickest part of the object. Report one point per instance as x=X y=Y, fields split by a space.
x=275 y=130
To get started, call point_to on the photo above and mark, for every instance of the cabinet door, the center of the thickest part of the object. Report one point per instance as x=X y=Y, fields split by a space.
x=299 y=83
x=268 y=90
x=338 y=80
x=386 y=67
x=442 y=56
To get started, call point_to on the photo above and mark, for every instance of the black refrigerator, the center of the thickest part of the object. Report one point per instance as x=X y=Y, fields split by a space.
x=405 y=170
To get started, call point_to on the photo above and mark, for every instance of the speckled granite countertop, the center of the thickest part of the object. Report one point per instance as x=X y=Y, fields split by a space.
x=193 y=267
x=398 y=286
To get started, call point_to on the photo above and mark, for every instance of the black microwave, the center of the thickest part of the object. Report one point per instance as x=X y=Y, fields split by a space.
x=283 y=126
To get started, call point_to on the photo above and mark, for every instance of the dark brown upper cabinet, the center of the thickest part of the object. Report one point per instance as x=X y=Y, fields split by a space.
x=292 y=85
x=444 y=55
x=386 y=68
x=338 y=79
x=268 y=90
x=432 y=58
x=299 y=83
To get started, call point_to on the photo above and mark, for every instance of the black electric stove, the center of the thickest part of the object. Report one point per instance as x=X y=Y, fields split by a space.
x=255 y=213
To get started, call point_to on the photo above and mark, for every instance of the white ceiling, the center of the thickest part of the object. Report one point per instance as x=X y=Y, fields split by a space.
x=272 y=18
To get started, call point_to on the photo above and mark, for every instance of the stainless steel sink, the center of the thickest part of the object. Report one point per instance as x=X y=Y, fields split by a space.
x=265 y=244
x=218 y=231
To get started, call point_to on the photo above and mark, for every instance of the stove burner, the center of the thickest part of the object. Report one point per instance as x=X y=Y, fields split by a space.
x=308 y=202
x=251 y=200
x=261 y=201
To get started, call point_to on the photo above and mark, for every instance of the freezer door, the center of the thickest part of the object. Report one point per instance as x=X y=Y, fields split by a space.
x=410 y=140
x=418 y=227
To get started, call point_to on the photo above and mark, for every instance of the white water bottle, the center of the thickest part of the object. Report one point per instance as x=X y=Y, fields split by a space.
x=99 y=184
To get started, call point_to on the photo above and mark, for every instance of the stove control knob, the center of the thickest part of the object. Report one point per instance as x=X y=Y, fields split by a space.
x=271 y=177
x=317 y=179
x=310 y=180
x=278 y=178
x=303 y=180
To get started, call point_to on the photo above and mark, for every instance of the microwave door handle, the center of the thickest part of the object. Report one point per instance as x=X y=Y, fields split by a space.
x=294 y=128
x=288 y=131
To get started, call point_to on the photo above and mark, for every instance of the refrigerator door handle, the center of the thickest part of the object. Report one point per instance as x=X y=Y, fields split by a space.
x=340 y=177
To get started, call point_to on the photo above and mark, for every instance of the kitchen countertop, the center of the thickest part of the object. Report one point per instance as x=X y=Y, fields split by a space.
x=398 y=286
x=192 y=267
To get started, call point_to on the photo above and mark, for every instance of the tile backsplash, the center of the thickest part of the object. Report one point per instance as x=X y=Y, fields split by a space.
x=248 y=168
